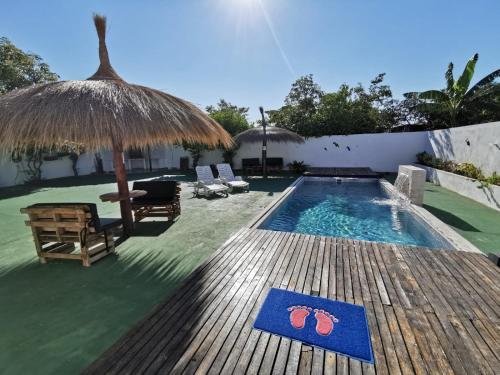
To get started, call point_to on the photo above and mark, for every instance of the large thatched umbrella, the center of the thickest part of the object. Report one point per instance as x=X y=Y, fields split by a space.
x=263 y=134
x=103 y=111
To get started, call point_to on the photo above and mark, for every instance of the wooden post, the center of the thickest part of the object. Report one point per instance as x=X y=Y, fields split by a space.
x=264 y=144
x=121 y=180
x=149 y=159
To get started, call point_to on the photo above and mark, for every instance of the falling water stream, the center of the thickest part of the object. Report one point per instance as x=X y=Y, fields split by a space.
x=402 y=185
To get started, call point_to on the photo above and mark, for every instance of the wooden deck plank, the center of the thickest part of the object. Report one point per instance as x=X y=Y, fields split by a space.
x=306 y=351
x=369 y=300
x=219 y=259
x=443 y=311
x=177 y=333
x=273 y=280
x=259 y=292
x=231 y=355
x=330 y=365
x=254 y=339
x=429 y=311
x=242 y=328
x=217 y=328
x=342 y=361
x=385 y=333
x=354 y=364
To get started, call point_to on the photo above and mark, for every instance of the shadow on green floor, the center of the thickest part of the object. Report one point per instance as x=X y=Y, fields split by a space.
x=451 y=219
x=89 y=180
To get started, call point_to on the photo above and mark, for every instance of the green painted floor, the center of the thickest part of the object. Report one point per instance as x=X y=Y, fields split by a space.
x=474 y=221
x=57 y=318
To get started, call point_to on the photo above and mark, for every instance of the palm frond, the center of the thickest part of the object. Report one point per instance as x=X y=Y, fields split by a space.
x=449 y=79
x=434 y=95
x=430 y=107
x=411 y=95
x=463 y=82
x=483 y=82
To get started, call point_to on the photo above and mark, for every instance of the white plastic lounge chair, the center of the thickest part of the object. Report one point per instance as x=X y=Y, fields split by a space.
x=228 y=178
x=207 y=185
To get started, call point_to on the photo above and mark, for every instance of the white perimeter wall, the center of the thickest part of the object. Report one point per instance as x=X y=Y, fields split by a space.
x=13 y=173
x=382 y=152
x=476 y=144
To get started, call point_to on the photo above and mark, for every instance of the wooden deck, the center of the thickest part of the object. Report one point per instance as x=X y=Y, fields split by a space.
x=429 y=311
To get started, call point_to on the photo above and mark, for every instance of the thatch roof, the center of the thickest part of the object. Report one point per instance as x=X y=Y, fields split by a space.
x=274 y=134
x=102 y=110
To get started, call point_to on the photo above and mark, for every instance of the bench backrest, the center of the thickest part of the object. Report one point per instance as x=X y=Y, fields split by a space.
x=251 y=162
x=274 y=162
x=157 y=190
x=62 y=222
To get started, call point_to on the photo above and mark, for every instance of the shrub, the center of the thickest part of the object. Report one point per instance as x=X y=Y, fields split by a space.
x=425 y=158
x=297 y=166
x=469 y=170
x=494 y=179
x=463 y=169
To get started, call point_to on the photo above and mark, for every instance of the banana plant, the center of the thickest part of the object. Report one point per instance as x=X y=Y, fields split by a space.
x=457 y=94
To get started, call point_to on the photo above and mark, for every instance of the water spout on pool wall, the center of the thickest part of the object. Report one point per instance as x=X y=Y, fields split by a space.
x=402 y=183
x=411 y=183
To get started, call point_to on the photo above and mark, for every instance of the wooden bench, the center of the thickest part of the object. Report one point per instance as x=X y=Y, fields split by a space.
x=162 y=200
x=274 y=164
x=56 y=227
x=251 y=165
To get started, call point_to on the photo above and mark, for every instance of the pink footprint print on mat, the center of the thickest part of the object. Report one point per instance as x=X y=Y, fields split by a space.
x=324 y=322
x=298 y=316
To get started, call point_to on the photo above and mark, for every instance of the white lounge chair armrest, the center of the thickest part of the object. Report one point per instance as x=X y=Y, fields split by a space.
x=223 y=180
x=238 y=178
x=218 y=181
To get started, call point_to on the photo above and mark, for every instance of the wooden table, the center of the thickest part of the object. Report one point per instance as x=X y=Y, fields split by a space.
x=115 y=196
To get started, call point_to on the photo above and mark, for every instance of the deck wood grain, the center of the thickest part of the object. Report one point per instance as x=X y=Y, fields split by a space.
x=429 y=311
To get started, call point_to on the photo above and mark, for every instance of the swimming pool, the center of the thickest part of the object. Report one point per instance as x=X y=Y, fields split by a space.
x=361 y=209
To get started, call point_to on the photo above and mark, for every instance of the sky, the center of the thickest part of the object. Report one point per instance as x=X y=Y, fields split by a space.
x=249 y=52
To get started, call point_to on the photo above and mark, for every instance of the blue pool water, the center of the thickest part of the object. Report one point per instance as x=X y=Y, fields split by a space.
x=355 y=208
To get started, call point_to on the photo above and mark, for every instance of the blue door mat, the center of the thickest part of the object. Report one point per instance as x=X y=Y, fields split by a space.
x=330 y=325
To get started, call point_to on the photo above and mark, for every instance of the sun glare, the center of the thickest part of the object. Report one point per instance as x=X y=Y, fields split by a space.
x=251 y=14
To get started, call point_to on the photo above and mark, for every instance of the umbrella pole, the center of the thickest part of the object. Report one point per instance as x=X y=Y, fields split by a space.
x=123 y=192
x=264 y=145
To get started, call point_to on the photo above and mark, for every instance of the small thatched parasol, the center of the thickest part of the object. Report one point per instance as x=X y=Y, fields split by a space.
x=263 y=134
x=103 y=111
x=273 y=134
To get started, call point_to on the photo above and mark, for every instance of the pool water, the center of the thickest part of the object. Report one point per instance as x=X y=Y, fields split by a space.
x=359 y=209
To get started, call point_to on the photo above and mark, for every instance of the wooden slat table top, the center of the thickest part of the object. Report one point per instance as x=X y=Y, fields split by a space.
x=115 y=196
x=429 y=311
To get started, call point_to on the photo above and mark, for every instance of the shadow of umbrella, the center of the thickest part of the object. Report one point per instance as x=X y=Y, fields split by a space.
x=151 y=228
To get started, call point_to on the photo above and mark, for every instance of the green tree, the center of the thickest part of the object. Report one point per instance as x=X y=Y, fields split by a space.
x=300 y=107
x=19 y=68
x=457 y=98
x=312 y=113
x=232 y=118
